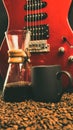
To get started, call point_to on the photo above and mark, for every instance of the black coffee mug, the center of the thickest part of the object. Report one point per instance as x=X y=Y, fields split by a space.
x=47 y=83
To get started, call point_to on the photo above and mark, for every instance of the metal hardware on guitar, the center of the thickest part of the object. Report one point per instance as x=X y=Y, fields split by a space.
x=39 y=5
x=39 y=34
x=70 y=59
x=64 y=39
x=35 y=17
x=61 y=50
x=39 y=46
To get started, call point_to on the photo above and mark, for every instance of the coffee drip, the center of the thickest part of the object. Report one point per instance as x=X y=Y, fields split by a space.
x=17 y=86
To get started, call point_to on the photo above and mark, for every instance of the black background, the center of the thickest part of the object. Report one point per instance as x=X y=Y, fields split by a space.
x=3 y=21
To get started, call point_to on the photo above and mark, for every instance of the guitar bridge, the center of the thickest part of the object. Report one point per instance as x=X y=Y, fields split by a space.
x=39 y=46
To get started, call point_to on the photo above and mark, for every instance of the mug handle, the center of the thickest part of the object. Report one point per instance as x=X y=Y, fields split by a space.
x=59 y=74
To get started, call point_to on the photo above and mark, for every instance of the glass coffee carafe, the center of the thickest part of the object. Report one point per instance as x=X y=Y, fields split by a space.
x=17 y=86
x=1 y=82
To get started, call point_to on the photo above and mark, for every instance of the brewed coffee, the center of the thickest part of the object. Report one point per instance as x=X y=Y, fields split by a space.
x=17 y=91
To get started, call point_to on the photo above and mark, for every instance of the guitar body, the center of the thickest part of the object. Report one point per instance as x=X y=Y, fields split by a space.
x=60 y=34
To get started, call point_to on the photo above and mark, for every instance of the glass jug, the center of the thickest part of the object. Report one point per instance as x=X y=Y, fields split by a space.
x=17 y=86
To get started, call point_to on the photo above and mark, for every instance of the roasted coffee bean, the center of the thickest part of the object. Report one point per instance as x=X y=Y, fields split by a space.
x=31 y=115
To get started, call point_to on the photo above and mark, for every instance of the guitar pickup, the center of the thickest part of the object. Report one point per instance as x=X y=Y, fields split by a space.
x=39 y=46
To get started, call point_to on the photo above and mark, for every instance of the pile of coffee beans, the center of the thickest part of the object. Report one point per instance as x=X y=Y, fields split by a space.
x=31 y=115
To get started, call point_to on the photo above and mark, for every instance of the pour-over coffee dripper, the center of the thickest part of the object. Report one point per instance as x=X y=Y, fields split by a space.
x=18 y=80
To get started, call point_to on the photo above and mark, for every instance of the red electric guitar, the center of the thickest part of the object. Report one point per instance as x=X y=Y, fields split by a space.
x=51 y=34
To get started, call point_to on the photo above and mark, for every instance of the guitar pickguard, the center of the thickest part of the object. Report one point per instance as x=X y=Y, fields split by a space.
x=59 y=36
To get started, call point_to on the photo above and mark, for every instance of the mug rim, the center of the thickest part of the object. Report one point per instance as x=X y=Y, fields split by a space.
x=42 y=66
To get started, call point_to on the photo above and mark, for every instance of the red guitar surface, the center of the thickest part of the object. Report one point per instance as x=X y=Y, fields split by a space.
x=60 y=33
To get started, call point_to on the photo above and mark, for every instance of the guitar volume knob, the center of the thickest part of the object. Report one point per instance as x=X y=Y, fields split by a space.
x=70 y=58
x=61 y=50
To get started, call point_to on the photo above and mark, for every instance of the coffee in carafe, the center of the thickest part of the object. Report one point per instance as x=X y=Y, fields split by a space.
x=17 y=86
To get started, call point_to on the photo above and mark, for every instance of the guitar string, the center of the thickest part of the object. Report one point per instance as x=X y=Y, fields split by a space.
x=32 y=20
x=35 y=21
x=41 y=23
x=27 y=14
x=39 y=20
x=29 y=4
x=29 y=10
x=38 y=28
